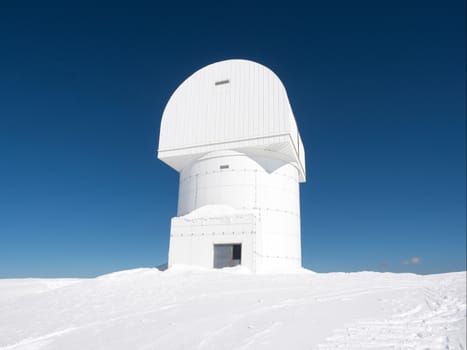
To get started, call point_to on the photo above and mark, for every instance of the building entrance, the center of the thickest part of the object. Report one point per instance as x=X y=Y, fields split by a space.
x=227 y=255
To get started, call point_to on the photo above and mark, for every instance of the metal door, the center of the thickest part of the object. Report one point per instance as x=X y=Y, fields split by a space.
x=227 y=255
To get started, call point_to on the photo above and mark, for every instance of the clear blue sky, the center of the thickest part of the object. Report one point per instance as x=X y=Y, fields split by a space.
x=377 y=88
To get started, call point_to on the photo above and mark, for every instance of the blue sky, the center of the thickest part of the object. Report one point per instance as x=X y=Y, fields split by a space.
x=377 y=88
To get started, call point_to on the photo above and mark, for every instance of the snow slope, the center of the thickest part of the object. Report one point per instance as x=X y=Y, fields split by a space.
x=232 y=309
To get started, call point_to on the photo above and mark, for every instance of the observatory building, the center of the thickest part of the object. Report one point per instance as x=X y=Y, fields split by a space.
x=230 y=132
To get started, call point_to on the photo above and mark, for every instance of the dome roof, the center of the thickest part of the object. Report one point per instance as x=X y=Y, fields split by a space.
x=234 y=105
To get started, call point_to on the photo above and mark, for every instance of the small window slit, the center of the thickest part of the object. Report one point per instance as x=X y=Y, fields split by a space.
x=222 y=82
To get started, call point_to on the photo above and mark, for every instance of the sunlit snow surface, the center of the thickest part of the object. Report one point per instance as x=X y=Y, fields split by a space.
x=233 y=309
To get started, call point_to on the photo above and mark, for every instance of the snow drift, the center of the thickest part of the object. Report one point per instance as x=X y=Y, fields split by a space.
x=232 y=309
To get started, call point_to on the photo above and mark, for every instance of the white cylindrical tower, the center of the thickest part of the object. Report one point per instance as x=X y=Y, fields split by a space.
x=240 y=161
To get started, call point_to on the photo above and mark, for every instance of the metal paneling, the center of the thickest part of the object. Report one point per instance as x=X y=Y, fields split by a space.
x=252 y=108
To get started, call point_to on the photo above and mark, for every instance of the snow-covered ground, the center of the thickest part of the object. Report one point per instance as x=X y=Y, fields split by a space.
x=232 y=309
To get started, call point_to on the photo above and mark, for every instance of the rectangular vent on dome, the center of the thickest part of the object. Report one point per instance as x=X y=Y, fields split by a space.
x=224 y=167
x=222 y=82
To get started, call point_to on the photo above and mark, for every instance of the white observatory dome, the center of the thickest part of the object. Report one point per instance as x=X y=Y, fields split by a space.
x=230 y=132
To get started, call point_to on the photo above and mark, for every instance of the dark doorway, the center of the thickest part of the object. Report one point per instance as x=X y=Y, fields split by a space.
x=227 y=255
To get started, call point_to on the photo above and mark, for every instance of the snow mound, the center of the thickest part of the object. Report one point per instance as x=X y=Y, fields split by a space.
x=179 y=268
x=212 y=211
x=141 y=272
x=187 y=268
x=236 y=270
x=190 y=308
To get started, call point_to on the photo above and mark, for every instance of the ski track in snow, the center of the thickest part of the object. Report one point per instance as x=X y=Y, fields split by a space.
x=146 y=309
x=417 y=328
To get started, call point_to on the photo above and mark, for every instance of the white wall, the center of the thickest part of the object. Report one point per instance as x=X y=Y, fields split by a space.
x=192 y=240
x=265 y=190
